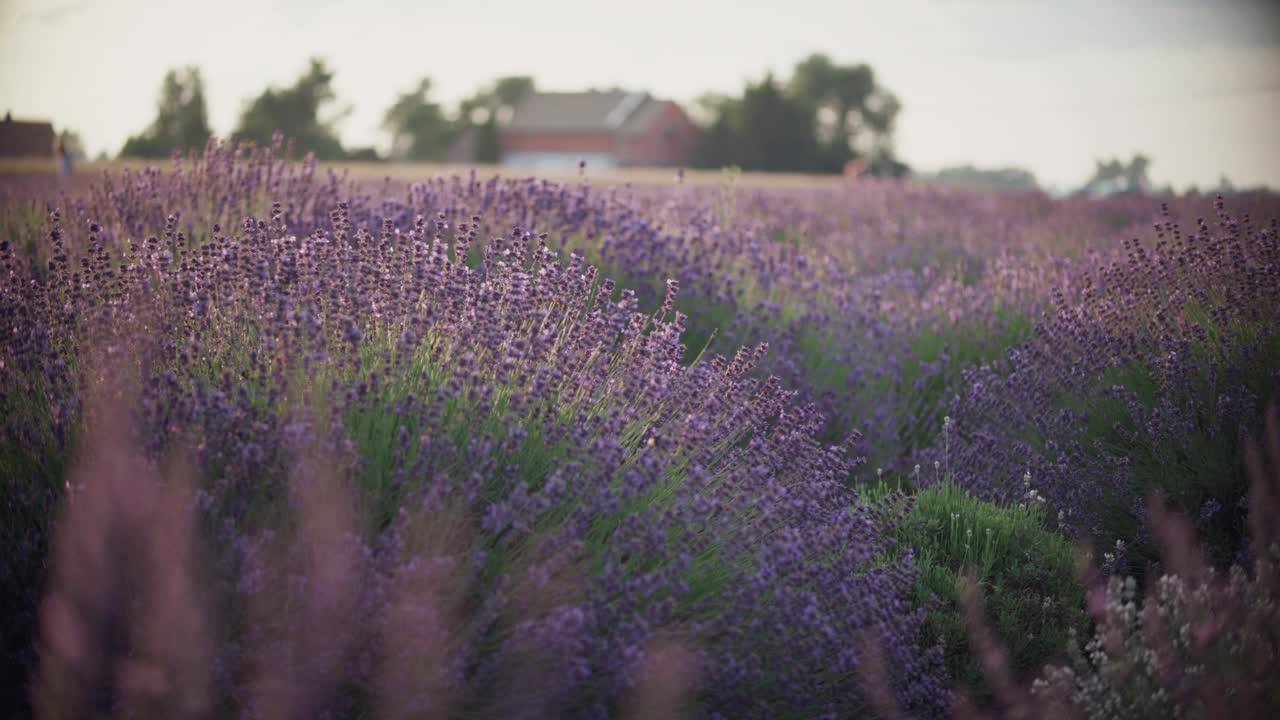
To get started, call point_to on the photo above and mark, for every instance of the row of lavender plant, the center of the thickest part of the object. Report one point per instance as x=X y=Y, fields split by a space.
x=1022 y=262
x=870 y=302
x=1199 y=643
x=388 y=421
x=1146 y=375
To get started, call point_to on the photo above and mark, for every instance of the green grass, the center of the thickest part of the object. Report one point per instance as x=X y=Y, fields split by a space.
x=1025 y=571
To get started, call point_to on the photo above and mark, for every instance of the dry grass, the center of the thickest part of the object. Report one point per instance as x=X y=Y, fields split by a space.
x=49 y=166
x=416 y=171
x=634 y=176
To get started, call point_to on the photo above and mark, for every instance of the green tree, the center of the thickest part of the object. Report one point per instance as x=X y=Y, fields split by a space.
x=968 y=177
x=778 y=130
x=182 y=120
x=1135 y=175
x=718 y=144
x=488 y=142
x=506 y=92
x=481 y=114
x=1112 y=176
x=720 y=140
x=764 y=130
x=853 y=115
x=824 y=116
x=419 y=129
x=295 y=111
x=883 y=163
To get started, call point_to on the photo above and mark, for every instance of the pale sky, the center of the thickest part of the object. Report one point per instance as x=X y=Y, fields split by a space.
x=1194 y=84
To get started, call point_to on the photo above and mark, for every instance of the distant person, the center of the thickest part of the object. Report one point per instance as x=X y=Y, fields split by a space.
x=853 y=170
x=65 y=161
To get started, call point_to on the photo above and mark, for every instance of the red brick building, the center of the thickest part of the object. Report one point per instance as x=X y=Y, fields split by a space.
x=22 y=138
x=552 y=131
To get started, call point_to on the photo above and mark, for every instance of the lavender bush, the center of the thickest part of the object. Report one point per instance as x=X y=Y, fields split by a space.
x=377 y=418
x=1146 y=376
x=1200 y=644
x=496 y=447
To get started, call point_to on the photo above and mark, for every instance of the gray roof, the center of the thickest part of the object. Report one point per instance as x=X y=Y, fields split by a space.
x=585 y=111
x=643 y=117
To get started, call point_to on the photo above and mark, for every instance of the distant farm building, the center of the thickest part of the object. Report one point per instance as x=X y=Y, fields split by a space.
x=553 y=131
x=24 y=138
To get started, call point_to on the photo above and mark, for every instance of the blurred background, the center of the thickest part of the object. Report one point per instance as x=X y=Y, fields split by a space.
x=1081 y=97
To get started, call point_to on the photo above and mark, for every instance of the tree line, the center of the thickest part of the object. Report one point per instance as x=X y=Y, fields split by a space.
x=817 y=120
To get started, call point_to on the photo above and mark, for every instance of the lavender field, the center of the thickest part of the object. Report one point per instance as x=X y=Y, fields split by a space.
x=280 y=443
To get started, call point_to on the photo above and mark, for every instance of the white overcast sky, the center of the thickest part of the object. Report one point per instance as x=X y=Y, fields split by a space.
x=1195 y=84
